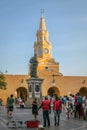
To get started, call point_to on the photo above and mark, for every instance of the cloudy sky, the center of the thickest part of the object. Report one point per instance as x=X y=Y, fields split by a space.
x=66 y=21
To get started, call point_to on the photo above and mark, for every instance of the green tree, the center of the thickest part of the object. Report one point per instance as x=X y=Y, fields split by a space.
x=3 y=84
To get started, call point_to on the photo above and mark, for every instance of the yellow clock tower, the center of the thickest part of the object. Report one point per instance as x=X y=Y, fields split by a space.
x=43 y=49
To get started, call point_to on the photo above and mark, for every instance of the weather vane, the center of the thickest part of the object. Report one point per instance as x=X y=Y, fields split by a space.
x=42 y=11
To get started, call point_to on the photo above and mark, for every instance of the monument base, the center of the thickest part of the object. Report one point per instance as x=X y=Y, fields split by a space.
x=34 y=90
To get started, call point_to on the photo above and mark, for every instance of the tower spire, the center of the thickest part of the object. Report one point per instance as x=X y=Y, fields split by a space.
x=42 y=11
x=42 y=26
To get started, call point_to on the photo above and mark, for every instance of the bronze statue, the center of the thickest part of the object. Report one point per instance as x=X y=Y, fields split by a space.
x=33 y=66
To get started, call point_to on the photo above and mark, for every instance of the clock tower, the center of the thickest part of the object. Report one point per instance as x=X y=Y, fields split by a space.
x=43 y=49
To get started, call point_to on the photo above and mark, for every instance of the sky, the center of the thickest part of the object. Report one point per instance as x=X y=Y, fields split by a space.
x=66 y=22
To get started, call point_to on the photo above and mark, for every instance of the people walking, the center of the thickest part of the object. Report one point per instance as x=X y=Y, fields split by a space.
x=57 y=107
x=78 y=105
x=35 y=108
x=10 y=105
x=45 y=105
x=68 y=107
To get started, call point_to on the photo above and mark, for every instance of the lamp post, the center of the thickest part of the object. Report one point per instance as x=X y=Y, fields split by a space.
x=53 y=81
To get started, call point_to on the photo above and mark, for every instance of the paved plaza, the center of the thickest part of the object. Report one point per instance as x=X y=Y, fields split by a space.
x=26 y=114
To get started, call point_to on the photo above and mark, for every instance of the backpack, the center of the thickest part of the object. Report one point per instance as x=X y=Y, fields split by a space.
x=10 y=101
x=79 y=100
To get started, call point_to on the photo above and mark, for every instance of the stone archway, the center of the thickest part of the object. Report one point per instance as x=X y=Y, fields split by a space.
x=53 y=91
x=22 y=92
x=83 y=91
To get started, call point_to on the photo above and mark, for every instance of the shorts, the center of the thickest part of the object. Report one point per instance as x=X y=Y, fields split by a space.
x=10 y=108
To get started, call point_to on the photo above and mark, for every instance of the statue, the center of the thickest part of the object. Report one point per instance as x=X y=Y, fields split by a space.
x=33 y=66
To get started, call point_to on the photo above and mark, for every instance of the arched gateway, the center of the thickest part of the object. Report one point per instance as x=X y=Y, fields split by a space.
x=83 y=91
x=22 y=92
x=53 y=91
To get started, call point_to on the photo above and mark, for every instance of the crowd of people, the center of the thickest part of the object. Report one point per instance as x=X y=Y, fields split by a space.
x=72 y=105
x=75 y=105
x=46 y=110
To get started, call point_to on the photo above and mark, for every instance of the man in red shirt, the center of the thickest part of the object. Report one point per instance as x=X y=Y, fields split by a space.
x=46 y=108
x=57 y=107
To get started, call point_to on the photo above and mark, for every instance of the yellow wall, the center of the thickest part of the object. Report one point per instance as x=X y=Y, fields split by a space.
x=65 y=84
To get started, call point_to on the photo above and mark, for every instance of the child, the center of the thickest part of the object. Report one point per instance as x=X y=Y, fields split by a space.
x=35 y=108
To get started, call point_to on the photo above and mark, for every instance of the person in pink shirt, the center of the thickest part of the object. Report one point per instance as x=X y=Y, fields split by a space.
x=57 y=107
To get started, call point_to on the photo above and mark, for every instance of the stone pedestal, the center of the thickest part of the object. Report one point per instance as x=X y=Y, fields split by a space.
x=34 y=89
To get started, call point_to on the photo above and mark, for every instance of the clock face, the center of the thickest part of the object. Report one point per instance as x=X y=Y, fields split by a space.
x=46 y=50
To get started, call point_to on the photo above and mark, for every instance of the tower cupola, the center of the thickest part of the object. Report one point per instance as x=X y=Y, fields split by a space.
x=42 y=33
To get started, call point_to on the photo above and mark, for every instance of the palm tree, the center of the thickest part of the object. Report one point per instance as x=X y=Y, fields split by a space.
x=3 y=84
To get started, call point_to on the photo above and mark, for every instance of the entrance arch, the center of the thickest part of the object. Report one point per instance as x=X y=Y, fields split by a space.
x=83 y=91
x=22 y=92
x=53 y=91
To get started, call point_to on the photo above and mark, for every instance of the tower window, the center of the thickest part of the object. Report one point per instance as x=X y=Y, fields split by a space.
x=44 y=38
x=40 y=38
x=46 y=67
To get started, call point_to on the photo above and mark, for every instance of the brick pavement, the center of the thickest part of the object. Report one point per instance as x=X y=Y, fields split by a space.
x=26 y=114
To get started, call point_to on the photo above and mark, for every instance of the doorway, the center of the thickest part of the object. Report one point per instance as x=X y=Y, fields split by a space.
x=53 y=91
x=22 y=93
